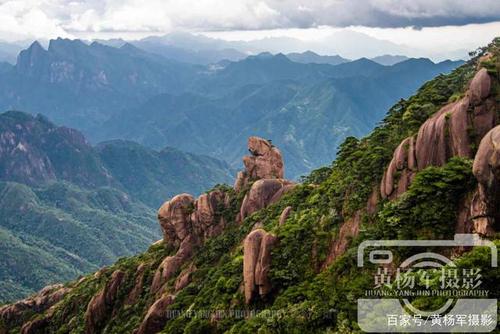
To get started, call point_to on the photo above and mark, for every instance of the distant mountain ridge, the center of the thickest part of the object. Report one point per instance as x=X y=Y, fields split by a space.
x=129 y=93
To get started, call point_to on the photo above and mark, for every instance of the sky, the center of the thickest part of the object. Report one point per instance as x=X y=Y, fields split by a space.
x=419 y=25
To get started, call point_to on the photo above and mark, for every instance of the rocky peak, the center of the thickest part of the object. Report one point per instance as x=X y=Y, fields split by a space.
x=31 y=61
x=265 y=162
x=34 y=151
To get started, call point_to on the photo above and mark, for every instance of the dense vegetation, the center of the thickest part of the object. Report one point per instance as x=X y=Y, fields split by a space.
x=67 y=208
x=306 y=297
x=131 y=94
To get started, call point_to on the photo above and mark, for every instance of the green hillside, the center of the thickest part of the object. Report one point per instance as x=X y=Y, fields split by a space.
x=313 y=285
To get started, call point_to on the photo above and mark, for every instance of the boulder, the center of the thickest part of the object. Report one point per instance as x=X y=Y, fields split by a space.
x=265 y=162
x=175 y=218
x=480 y=86
x=263 y=193
x=157 y=316
x=257 y=248
x=100 y=306
x=187 y=223
x=403 y=164
x=485 y=205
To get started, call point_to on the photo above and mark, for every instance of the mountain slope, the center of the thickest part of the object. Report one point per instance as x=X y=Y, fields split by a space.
x=79 y=85
x=273 y=97
x=78 y=207
x=160 y=175
x=287 y=253
x=110 y=93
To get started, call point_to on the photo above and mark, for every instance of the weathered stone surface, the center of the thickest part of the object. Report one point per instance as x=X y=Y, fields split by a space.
x=256 y=263
x=100 y=306
x=431 y=145
x=136 y=291
x=171 y=265
x=480 y=86
x=284 y=215
x=262 y=193
x=175 y=218
x=265 y=162
x=403 y=163
x=349 y=229
x=184 y=278
x=485 y=207
x=207 y=219
x=14 y=314
x=187 y=223
x=157 y=316
x=452 y=131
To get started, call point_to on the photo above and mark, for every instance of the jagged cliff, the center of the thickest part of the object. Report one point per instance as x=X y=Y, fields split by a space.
x=285 y=251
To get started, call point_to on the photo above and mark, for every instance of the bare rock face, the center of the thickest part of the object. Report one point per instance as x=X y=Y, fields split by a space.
x=349 y=229
x=157 y=316
x=263 y=193
x=13 y=314
x=184 y=278
x=187 y=223
x=450 y=132
x=265 y=162
x=284 y=215
x=403 y=162
x=175 y=218
x=256 y=263
x=136 y=291
x=101 y=304
x=485 y=208
x=171 y=265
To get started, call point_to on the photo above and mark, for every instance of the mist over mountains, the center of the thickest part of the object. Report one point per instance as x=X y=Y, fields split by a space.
x=153 y=98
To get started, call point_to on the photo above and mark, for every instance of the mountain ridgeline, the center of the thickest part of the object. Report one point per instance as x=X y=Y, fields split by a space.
x=286 y=251
x=128 y=93
x=68 y=208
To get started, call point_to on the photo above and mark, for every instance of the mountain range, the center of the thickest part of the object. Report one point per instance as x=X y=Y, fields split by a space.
x=269 y=255
x=128 y=93
x=68 y=208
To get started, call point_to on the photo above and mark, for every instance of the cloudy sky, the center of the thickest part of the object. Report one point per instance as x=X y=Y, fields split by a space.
x=419 y=25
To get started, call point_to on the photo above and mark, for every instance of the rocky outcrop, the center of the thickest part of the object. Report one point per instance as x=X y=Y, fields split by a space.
x=404 y=163
x=136 y=291
x=263 y=193
x=452 y=131
x=157 y=316
x=100 y=306
x=171 y=264
x=256 y=263
x=485 y=207
x=265 y=162
x=348 y=230
x=284 y=215
x=14 y=314
x=187 y=223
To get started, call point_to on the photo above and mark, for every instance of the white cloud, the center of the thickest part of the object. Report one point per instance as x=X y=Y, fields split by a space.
x=314 y=20
x=84 y=16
